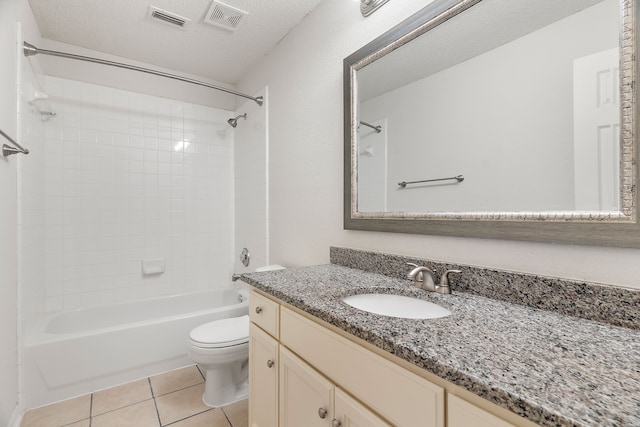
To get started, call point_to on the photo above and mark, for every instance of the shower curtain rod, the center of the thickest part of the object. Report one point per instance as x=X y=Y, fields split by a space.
x=31 y=50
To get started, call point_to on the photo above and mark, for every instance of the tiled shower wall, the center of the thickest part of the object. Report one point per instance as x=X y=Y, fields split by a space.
x=132 y=177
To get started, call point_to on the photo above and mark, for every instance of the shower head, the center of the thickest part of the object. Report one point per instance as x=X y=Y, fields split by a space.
x=234 y=122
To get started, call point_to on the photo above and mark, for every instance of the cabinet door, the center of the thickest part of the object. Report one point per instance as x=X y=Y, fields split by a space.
x=350 y=413
x=306 y=397
x=401 y=397
x=461 y=413
x=263 y=378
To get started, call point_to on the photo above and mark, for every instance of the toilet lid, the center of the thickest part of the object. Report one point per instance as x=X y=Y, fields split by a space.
x=221 y=333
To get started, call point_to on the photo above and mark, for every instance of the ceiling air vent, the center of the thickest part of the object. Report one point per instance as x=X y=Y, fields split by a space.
x=168 y=17
x=225 y=16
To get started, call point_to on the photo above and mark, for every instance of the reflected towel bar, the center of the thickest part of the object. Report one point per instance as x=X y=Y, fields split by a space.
x=378 y=128
x=458 y=178
x=8 y=150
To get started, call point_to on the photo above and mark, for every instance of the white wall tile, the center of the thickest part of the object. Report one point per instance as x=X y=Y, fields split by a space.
x=118 y=191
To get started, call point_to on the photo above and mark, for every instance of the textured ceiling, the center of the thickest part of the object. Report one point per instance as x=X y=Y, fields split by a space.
x=123 y=28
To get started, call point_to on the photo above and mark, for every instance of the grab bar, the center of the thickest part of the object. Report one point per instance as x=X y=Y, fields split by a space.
x=458 y=178
x=8 y=150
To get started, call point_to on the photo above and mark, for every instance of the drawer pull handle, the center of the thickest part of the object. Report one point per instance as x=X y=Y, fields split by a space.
x=258 y=310
x=322 y=413
x=269 y=363
x=336 y=423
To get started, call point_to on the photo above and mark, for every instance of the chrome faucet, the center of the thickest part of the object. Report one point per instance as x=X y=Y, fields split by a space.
x=425 y=278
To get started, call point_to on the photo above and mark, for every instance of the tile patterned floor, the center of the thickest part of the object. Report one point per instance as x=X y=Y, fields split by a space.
x=169 y=399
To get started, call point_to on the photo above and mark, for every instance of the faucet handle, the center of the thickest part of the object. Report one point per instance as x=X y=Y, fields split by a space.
x=444 y=280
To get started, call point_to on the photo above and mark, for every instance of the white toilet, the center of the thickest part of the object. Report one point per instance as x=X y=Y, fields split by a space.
x=221 y=348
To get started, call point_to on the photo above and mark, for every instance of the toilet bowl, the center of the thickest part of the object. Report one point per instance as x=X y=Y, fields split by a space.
x=221 y=349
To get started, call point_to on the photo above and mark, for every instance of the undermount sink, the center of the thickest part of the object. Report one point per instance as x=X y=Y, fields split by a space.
x=397 y=306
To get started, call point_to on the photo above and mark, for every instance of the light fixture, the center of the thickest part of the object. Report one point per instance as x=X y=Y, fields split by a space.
x=367 y=7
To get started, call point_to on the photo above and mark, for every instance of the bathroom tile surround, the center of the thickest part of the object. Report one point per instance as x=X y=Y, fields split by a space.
x=169 y=399
x=602 y=303
x=129 y=177
x=553 y=369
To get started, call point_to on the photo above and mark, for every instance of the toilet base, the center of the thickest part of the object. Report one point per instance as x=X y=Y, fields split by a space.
x=224 y=402
x=227 y=385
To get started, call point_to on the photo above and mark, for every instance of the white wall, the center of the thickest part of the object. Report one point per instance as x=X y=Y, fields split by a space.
x=132 y=178
x=304 y=75
x=250 y=181
x=475 y=119
x=12 y=12
x=373 y=160
x=31 y=189
x=132 y=80
x=8 y=220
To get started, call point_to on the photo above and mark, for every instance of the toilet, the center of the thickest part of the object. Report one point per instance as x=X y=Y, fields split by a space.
x=221 y=349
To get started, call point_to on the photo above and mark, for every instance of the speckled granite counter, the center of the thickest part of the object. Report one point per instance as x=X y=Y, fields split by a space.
x=554 y=370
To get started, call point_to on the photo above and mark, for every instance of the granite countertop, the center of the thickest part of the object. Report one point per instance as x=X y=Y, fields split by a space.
x=552 y=369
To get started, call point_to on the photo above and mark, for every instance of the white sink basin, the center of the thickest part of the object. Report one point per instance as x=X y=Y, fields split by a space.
x=397 y=306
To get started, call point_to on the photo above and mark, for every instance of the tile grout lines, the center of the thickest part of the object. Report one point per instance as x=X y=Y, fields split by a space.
x=155 y=403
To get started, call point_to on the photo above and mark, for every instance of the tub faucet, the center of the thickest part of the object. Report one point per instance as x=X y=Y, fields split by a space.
x=425 y=278
x=235 y=277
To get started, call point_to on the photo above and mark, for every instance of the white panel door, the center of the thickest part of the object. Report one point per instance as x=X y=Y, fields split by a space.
x=306 y=397
x=263 y=378
x=597 y=131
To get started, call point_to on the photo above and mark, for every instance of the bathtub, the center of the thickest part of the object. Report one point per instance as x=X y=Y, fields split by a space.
x=77 y=352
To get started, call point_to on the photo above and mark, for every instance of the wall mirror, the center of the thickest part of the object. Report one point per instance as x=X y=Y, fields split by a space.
x=497 y=119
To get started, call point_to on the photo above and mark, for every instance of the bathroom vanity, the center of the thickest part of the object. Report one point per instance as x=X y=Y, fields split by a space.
x=316 y=361
x=306 y=374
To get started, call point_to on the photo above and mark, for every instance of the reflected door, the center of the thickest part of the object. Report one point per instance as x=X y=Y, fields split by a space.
x=597 y=131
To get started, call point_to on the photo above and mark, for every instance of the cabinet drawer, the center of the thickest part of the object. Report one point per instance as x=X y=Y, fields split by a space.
x=400 y=396
x=462 y=413
x=264 y=313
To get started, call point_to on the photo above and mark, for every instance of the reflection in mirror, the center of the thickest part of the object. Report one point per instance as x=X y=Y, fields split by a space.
x=522 y=100
x=516 y=110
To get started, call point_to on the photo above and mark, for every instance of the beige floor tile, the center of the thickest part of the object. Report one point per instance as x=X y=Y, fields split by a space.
x=238 y=413
x=181 y=404
x=58 y=414
x=211 y=418
x=120 y=396
x=141 y=414
x=169 y=382
x=83 y=423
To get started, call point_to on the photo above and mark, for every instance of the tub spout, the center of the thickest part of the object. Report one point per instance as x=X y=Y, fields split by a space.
x=235 y=277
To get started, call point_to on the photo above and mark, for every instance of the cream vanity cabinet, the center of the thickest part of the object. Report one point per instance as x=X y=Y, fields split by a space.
x=282 y=386
x=263 y=361
x=463 y=414
x=301 y=373
x=309 y=399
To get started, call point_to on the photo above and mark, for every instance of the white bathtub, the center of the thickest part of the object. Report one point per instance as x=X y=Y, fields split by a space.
x=76 y=352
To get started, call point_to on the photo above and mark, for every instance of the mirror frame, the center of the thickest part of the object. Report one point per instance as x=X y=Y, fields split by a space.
x=620 y=229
